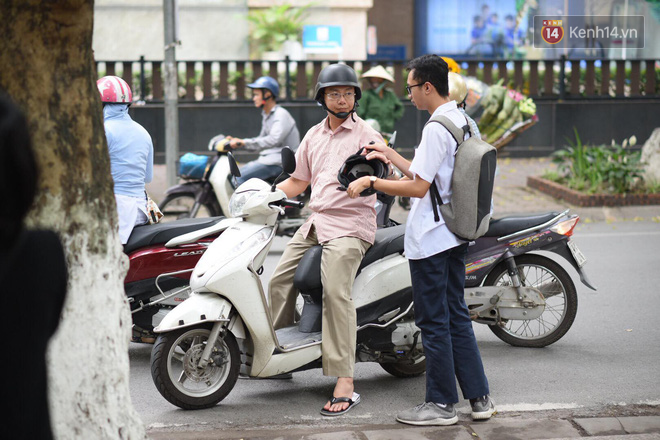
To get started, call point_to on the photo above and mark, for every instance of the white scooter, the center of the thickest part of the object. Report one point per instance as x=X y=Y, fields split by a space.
x=225 y=327
x=207 y=191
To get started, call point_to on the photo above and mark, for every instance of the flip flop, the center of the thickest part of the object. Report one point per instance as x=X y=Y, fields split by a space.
x=351 y=403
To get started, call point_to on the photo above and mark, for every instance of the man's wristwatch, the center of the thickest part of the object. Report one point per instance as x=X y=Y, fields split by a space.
x=372 y=180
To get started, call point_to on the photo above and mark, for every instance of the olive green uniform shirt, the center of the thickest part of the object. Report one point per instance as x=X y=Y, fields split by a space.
x=386 y=110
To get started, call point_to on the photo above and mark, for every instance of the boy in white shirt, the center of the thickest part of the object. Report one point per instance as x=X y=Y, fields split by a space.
x=436 y=255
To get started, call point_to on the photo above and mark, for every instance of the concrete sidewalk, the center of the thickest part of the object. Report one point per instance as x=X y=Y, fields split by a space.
x=526 y=426
x=511 y=195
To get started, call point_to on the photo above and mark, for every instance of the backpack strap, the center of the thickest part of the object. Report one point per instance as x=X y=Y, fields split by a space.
x=436 y=200
x=457 y=133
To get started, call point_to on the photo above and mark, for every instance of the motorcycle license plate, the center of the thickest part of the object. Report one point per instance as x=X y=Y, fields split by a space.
x=580 y=259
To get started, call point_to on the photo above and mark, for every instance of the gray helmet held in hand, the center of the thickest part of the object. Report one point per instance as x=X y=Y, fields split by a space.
x=336 y=75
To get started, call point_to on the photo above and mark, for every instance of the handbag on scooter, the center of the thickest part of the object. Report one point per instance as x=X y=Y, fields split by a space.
x=153 y=212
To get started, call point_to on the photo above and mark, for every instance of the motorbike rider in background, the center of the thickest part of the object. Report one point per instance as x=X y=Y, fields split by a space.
x=345 y=227
x=131 y=154
x=278 y=130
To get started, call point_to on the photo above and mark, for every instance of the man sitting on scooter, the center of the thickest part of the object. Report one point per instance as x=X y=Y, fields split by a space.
x=345 y=227
x=278 y=130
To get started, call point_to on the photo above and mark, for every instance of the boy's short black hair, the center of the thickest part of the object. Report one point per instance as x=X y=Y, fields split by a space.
x=431 y=68
x=18 y=171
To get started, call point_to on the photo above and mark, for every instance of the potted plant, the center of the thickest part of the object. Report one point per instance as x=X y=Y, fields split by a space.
x=273 y=26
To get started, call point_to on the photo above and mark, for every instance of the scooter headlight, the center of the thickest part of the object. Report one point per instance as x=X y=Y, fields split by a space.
x=238 y=201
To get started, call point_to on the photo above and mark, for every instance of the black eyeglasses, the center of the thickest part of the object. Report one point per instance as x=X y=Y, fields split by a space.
x=414 y=85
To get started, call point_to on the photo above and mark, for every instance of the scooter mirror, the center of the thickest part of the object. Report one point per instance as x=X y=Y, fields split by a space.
x=392 y=140
x=288 y=166
x=233 y=166
x=288 y=160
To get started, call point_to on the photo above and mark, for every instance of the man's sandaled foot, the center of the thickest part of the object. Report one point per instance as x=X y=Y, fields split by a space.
x=351 y=403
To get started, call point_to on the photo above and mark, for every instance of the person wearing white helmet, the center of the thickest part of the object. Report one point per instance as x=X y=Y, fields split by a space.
x=131 y=154
x=379 y=102
x=458 y=92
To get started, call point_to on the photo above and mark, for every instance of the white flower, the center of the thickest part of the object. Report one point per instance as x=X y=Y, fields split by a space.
x=633 y=140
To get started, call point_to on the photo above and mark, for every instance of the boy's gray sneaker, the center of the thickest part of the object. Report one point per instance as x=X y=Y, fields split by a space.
x=429 y=413
x=482 y=408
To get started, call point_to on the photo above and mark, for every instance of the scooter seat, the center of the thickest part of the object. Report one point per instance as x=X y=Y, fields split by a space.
x=388 y=241
x=307 y=278
x=160 y=233
x=508 y=225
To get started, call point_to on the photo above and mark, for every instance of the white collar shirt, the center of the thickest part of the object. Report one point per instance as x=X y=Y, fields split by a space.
x=433 y=161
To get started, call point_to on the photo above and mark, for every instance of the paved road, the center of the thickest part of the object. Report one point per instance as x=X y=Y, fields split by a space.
x=609 y=356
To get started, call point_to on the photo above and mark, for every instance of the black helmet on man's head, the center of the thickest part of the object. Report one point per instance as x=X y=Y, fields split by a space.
x=336 y=75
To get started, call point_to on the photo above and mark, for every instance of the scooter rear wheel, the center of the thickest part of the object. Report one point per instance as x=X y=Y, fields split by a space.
x=175 y=371
x=561 y=302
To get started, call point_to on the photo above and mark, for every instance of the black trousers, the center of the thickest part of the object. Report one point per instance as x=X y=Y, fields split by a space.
x=447 y=336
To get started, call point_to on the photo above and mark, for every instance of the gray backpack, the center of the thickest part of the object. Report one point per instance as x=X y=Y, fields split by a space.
x=467 y=215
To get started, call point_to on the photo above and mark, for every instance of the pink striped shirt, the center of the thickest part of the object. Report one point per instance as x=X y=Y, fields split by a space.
x=318 y=159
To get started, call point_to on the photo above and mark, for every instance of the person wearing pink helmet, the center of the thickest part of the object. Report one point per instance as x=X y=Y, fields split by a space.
x=131 y=154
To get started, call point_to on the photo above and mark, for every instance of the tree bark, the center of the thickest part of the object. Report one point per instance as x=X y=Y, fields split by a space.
x=47 y=67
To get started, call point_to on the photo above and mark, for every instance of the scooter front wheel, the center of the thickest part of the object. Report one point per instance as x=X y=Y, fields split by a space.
x=176 y=373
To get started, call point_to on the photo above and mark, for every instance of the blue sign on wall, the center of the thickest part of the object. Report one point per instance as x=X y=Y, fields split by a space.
x=389 y=52
x=322 y=39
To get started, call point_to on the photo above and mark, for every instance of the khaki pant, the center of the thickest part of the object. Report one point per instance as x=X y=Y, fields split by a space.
x=339 y=263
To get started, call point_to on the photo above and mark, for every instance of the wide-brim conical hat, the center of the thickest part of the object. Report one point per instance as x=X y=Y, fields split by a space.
x=378 y=72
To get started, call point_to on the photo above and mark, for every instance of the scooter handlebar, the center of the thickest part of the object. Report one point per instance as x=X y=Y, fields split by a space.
x=289 y=203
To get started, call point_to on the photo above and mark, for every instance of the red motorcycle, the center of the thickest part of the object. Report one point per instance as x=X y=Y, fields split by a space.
x=159 y=272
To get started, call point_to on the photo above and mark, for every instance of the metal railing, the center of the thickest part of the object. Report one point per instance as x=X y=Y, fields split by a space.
x=218 y=81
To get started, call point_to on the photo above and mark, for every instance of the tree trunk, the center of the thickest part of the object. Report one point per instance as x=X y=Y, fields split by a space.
x=47 y=67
